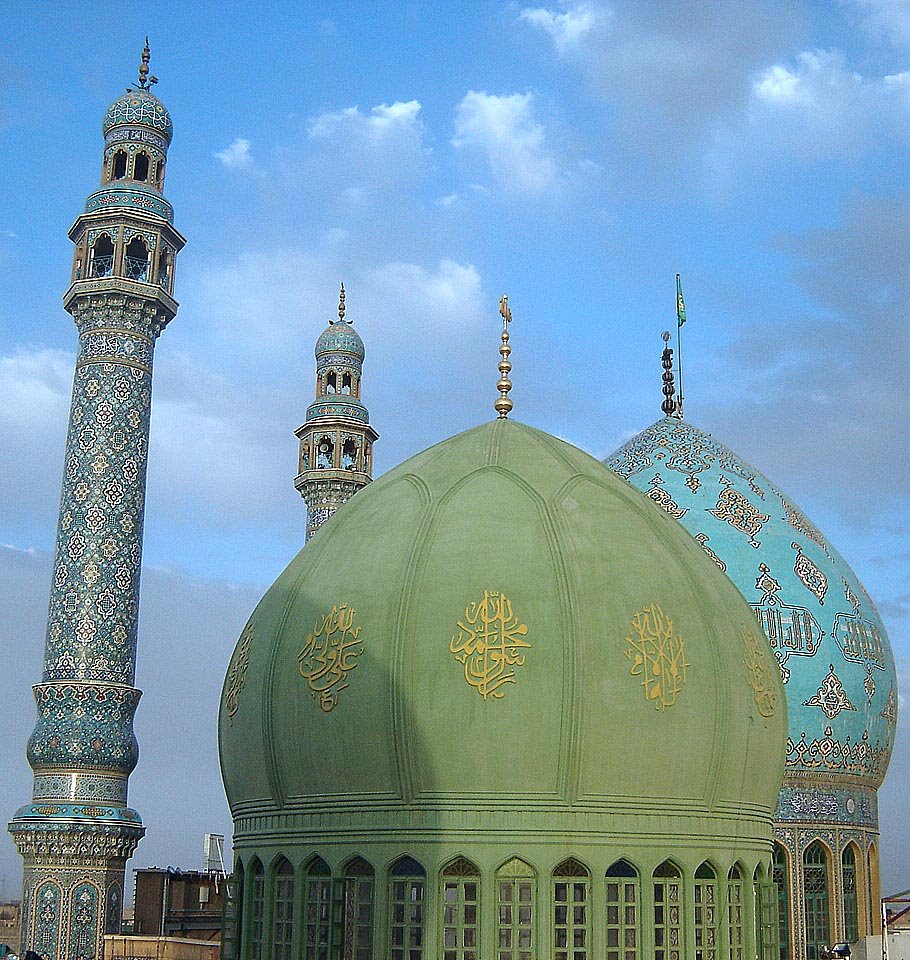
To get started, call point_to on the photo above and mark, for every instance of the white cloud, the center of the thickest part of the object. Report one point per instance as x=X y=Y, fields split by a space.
x=237 y=155
x=570 y=28
x=449 y=295
x=888 y=17
x=504 y=130
x=382 y=122
x=819 y=106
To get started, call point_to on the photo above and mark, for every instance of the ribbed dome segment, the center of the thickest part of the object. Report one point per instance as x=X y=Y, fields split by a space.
x=139 y=108
x=498 y=620
x=834 y=654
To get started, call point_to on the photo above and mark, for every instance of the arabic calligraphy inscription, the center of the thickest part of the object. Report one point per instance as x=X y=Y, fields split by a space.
x=329 y=654
x=658 y=656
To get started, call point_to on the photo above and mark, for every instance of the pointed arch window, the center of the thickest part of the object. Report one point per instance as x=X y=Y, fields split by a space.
x=232 y=923
x=346 y=384
x=282 y=910
x=325 y=453
x=705 y=913
x=460 y=899
x=781 y=877
x=317 y=910
x=407 y=893
x=136 y=260
x=165 y=262
x=118 y=165
x=874 y=891
x=516 y=895
x=851 y=897
x=622 y=911
x=349 y=452
x=816 y=889
x=159 y=173
x=141 y=167
x=668 y=897
x=331 y=382
x=571 y=911
x=256 y=910
x=102 y=257
x=735 y=930
x=358 y=892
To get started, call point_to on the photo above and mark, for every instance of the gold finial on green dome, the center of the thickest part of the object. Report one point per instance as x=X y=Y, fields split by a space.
x=503 y=404
x=341 y=304
x=669 y=388
x=145 y=81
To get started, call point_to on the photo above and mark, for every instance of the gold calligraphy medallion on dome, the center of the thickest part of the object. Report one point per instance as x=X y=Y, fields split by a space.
x=489 y=644
x=658 y=655
x=329 y=654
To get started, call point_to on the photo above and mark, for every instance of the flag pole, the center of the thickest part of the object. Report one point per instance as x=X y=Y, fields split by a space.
x=680 y=320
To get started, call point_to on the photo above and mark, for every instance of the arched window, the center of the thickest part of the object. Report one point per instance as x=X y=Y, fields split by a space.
x=141 y=167
x=571 y=915
x=460 y=898
x=317 y=910
x=102 y=257
x=516 y=894
x=256 y=911
x=331 y=382
x=164 y=268
x=407 y=892
x=781 y=878
x=159 y=173
x=359 y=899
x=735 y=913
x=851 y=899
x=137 y=260
x=622 y=911
x=325 y=453
x=705 y=913
x=118 y=166
x=232 y=916
x=346 y=383
x=874 y=895
x=816 y=888
x=282 y=910
x=667 y=881
x=349 y=454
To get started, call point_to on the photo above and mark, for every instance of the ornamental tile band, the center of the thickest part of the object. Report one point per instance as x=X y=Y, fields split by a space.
x=658 y=656
x=489 y=644
x=329 y=654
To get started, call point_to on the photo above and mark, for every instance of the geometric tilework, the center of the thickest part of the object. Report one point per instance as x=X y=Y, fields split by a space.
x=77 y=834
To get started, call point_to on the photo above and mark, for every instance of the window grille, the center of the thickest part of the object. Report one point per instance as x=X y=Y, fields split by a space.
x=851 y=900
x=571 y=898
x=815 y=899
x=257 y=911
x=283 y=911
x=735 y=913
x=667 y=912
x=317 y=911
x=622 y=912
x=407 y=893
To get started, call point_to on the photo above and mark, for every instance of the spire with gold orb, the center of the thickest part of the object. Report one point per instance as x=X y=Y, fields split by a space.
x=503 y=403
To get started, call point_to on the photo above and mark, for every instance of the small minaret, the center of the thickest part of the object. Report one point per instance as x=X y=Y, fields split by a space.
x=78 y=832
x=336 y=439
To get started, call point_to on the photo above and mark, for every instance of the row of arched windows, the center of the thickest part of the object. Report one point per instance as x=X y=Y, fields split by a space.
x=329 y=452
x=138 y=167
x=135 y=264
x=817 y=887
x=315 y=915
x=337 y=382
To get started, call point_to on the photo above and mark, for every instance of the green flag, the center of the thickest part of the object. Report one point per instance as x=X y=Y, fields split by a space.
x=680 y=304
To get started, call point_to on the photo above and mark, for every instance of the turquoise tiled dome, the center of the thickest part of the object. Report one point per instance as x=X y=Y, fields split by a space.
x=340 y=336
x=833 y=651
x=139 y=107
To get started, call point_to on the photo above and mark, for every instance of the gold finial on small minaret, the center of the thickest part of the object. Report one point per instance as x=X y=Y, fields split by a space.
x=503 y=404
x=341 y=304
x=145 y=81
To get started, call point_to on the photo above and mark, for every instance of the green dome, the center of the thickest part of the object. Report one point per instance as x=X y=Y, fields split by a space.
x=142 y=108
x=501 y=621
x=339 y=337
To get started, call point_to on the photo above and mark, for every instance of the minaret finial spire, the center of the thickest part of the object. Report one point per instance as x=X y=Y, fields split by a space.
x=503 y=404
x=341 y=304
x=669 y=388
x=145 y=81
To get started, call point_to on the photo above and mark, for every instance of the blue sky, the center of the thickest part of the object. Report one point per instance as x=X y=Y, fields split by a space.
x=573 y=154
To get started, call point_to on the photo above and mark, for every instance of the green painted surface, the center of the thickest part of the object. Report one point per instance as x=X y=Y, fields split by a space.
x=502 y=507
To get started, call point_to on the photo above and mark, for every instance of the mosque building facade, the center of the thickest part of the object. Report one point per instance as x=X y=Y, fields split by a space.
x=78 y=831
x=835 y=661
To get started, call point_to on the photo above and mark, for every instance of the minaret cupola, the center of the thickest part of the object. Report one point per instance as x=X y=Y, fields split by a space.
x=336 y=439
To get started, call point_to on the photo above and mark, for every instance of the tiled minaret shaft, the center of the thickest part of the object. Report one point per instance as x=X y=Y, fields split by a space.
x=78 y=832
x=336 y=439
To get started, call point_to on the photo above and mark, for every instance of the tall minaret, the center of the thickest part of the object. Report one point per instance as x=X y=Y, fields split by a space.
x=78 y=832
x=336 y=439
